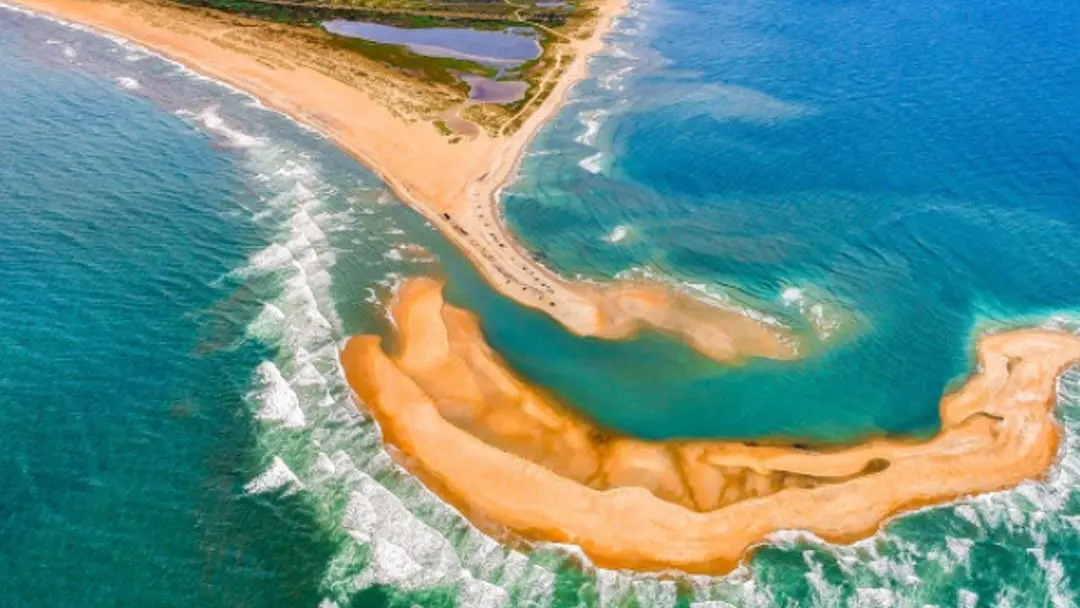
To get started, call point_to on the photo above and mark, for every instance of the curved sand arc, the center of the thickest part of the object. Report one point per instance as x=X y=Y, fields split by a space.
x=508 y=455
x=454 y=185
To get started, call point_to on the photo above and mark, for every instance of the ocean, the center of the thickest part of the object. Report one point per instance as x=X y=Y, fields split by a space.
x=181 y=265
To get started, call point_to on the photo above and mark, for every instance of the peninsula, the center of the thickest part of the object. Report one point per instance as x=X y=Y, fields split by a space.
x=510 y=456
x=443 y=155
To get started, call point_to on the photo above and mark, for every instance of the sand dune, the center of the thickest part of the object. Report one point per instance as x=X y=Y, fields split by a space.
x=508 y=454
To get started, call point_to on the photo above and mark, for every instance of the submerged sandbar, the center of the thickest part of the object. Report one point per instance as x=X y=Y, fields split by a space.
x=510 y=455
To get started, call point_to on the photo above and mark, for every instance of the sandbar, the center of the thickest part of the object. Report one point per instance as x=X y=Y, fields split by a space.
x=454 y=183
x=513 y=458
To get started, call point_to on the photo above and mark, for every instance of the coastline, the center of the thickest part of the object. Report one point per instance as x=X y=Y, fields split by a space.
x=522 y=461
x=637 y=474
x=454 y=185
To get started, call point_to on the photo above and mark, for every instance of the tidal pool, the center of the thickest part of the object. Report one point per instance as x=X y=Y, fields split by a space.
x=487 y=90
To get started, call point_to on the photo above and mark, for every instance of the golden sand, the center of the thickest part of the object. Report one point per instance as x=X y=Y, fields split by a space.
x=390 y=127
x=508 y=454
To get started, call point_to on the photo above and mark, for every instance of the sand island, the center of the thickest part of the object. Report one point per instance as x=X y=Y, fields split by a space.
x=511 y=457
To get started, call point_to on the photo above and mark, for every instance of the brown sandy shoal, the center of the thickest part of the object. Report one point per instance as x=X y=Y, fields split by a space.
x=387 y=123
x=507 y=453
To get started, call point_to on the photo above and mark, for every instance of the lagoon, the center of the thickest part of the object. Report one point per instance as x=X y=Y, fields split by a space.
x=455 y=43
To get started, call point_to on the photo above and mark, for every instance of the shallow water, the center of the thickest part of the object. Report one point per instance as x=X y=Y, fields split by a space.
x=487 y=90
x=181 y=265
x=887 y=175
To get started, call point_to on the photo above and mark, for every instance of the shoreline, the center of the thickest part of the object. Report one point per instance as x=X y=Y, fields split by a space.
x=526 y=463
x=455 y=186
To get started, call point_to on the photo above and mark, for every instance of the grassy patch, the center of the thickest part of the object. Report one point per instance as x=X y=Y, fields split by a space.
x=441 y=70
x=443 y=128
x=551 y=25
x=400 y=13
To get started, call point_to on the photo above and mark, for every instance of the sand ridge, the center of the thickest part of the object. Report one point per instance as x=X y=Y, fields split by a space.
x=507 y=453
x=455 y=185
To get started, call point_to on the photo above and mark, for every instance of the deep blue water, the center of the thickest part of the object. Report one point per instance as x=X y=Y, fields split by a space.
x=178 y=267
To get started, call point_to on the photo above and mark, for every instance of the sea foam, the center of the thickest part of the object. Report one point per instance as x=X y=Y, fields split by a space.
x=128 y=83
x=278 y=400
x=618 y=234
x=278 y=478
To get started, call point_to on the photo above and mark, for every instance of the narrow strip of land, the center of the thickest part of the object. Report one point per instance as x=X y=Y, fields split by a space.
x=508 y=454
x=454 y=183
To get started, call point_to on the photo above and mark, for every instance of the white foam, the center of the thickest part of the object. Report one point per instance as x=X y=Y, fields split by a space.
x=618 y=51
x=875 y=598
x=966 y=599
x=655 y=593
x=480 y=594
x=592 y=120
x=824 y=593
x=278 y=478
x=212 y=121
x=267 y=325
x=271 y=259
x=617 y=234
x=535 y=586
x=613 y=81
x=1057 y=583
x=309 y=376
x=278 y=400
x=792 y=295
x=128 y=83
x=967 y=512
x=359 y=518
x=960 y=548
x=70 y=52
x=592 y=164
x=324 y=464
x=407 y=552
x=821 y=317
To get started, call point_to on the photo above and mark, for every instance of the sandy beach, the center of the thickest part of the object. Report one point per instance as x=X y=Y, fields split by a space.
x=356 y=103
x=509 y=455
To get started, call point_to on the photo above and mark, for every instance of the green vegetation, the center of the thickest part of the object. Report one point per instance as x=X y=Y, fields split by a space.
x=443 y=128
x=402 y=13
x=552 y=25
x=442 y=70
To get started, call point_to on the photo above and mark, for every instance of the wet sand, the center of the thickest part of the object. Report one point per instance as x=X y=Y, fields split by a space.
x=509 y=455
x=366 y=110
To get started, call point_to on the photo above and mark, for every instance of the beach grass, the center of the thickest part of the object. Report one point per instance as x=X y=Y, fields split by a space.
x=554 y=27
x=441 y=70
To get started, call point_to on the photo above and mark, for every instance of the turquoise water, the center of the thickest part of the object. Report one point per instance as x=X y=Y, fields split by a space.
x=892 y=174
x=181 y=265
